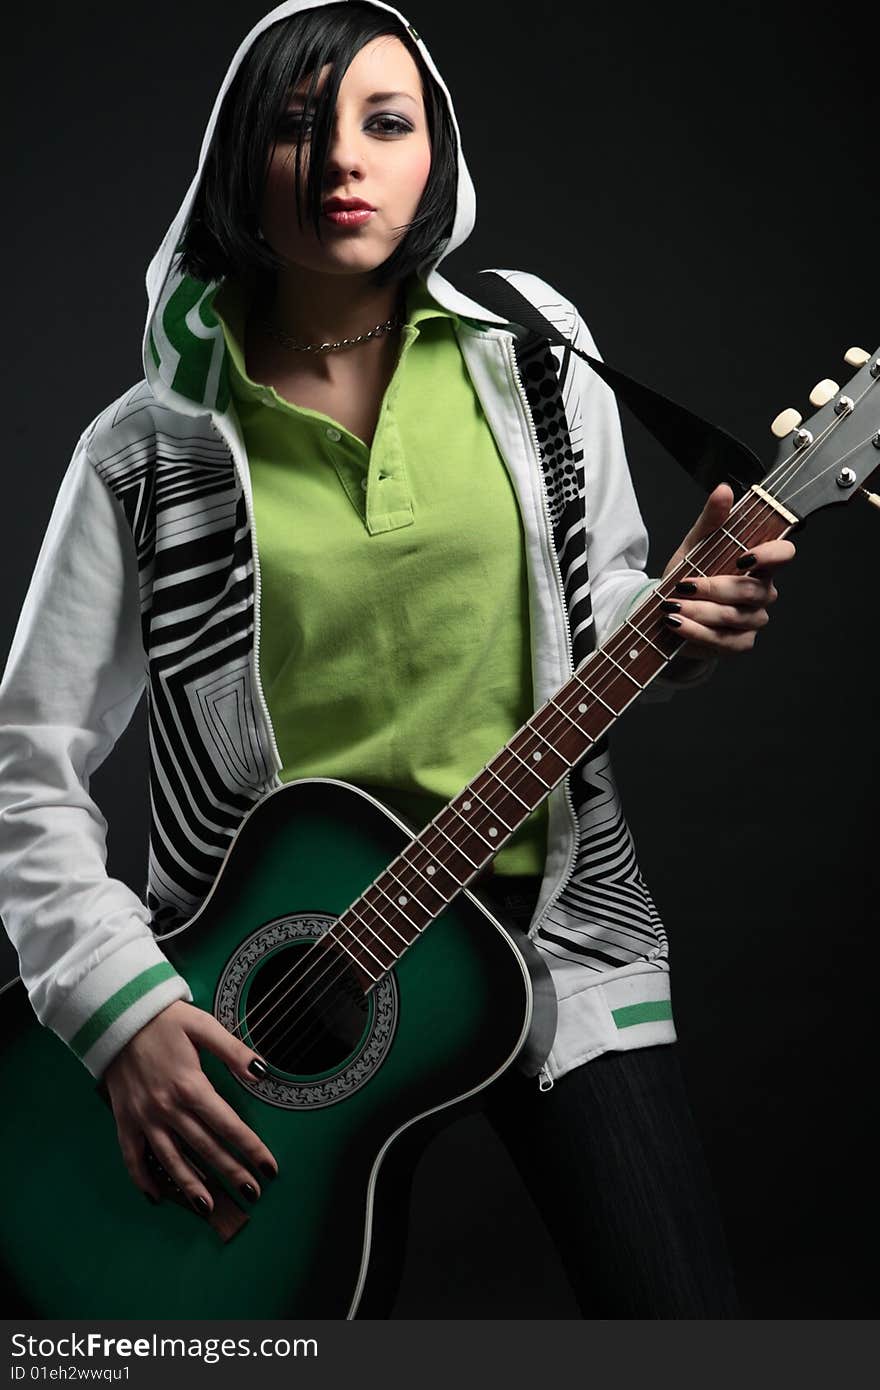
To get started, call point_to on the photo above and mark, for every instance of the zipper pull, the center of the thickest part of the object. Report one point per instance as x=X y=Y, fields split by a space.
x=545 y=1080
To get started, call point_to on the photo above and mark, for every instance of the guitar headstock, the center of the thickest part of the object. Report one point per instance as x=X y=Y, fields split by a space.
x=830 y=456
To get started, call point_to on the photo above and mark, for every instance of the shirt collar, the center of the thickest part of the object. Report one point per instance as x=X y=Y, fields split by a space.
x=231 y=303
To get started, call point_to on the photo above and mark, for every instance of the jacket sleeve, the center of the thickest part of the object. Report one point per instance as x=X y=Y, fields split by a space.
x=91 y=965
x=617 y=541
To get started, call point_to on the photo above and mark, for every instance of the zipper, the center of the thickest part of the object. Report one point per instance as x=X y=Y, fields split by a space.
x=508 y=342
x=545 y=1080
x=255 y=557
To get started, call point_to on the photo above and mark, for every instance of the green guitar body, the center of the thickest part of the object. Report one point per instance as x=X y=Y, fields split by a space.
x=466 y=999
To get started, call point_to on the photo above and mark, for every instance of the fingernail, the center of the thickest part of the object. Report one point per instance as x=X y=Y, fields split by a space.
x=249 y=1191
x=685 y=586
x=670 y=618
x=267 y=1170
x=201 y=1205
x=670 y=606
x=744 y=561
x=258 y=1068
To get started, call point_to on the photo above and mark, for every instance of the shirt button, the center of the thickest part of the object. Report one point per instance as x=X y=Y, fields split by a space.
x=333 y=434
x=364 y=484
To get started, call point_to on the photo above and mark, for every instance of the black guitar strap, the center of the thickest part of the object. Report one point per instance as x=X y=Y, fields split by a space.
x=706 y=451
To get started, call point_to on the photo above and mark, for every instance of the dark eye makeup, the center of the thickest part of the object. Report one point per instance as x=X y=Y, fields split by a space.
x=293 y=121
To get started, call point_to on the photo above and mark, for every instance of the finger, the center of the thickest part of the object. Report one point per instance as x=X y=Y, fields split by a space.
x=200 y=1138
x=222 y=1120
x=716 y=639
x=180 y=1170
x=133 y=1146
x=207 y=1031
x=719 y=615
x=769 y=554
x=741 y=590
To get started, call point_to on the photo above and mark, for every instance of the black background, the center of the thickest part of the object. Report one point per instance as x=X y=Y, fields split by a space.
x=701 y=181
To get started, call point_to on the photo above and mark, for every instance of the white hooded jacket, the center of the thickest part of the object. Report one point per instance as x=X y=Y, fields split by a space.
x=148 y=581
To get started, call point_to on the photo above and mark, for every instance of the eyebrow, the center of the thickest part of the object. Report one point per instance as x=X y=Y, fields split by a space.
x=370 y=100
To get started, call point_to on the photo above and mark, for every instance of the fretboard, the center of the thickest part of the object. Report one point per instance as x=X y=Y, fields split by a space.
x=461 y=840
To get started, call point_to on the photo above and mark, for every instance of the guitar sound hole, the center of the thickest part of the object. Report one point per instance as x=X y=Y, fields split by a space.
x=306 y=1010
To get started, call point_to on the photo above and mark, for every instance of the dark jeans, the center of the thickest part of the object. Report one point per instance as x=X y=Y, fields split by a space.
x=613 y=1162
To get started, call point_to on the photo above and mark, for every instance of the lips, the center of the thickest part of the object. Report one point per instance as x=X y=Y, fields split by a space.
x=347 y=205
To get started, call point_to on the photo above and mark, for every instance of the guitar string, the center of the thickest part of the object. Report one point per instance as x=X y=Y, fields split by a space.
x=791 y=467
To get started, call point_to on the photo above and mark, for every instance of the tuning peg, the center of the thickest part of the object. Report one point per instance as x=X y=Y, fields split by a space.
x=823 y=391
x=872 y=497
x=856 y=357
x=785 y=422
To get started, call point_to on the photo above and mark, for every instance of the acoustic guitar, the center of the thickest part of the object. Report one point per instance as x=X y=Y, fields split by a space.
x=358 y=959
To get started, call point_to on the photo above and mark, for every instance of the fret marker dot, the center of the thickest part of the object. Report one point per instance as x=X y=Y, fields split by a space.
x=466 y=805
x=634 y=653
x=430 y=869
x=492 y=830
x=403 y=900
x=536 y=757
x=582 y=709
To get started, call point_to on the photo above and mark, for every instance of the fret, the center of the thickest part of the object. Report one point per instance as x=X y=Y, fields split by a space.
x=361 y=942
x=528 y=767
x=622 y=669
x=666 y=655
x=398 y=905
x=357 y=962
x=735 y=539
x=583 y=733
x=424 y=877
x=439 y=864
x=555 y=751
x=690 y=564
x=488 y=768
x=592 y=692
x=466 y=804
x=353 y=909
x=474 y=831
x=436 y=826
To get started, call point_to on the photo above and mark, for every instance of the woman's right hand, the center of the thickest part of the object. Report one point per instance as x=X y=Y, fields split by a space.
x=159 y=1093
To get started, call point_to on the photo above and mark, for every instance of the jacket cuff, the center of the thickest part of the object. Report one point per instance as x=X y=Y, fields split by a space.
x=114 y=1001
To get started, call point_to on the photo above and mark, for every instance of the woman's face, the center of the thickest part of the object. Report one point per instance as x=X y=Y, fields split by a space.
x=379 y=151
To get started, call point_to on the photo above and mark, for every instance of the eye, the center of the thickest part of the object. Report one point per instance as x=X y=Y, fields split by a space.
x=294 y=123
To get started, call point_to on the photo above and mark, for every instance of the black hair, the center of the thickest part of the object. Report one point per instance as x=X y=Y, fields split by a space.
x=221 y=235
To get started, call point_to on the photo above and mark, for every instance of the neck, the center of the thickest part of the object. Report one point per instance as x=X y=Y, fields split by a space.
x=316 y=308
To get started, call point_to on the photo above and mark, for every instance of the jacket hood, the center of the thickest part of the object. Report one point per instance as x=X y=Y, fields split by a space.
x=184 y=347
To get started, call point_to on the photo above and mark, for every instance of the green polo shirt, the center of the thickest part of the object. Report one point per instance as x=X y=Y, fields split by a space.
x=394 y=647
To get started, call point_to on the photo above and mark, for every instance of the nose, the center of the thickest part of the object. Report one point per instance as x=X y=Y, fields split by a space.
x=346 y=153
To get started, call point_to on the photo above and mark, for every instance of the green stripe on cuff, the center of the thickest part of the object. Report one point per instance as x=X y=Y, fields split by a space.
x=123 y=999
x=647 y=1012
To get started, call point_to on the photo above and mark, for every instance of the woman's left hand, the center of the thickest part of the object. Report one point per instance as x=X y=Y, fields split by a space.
x=724 y=612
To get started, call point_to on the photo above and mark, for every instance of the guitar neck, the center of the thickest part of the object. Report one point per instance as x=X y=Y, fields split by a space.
x=468 y=832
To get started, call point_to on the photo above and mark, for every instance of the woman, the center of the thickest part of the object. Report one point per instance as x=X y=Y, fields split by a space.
x=356 y=528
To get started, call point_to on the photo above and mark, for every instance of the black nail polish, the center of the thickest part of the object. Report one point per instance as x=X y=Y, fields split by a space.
x=201 y=1205
x=267 y=1170
x=744 y=561
x=258 y=1068
x=685 y=586
x=249 y=1191
x=670 y=606
x=675 y=622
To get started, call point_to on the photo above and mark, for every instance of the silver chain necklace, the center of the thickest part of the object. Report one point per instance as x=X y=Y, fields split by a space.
x=294 y=346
